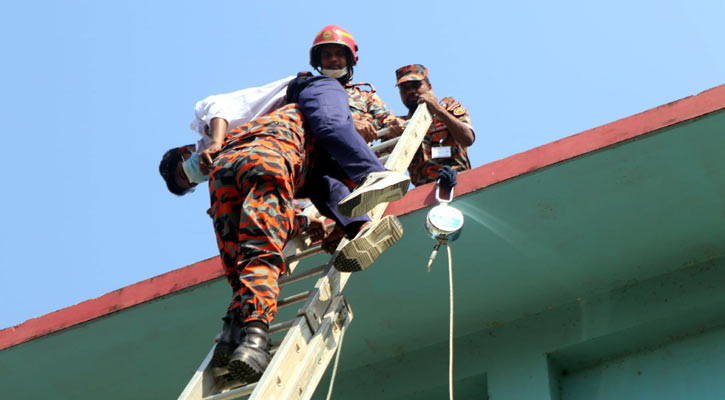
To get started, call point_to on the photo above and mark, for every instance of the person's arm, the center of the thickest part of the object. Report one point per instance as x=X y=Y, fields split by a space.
x=218 y=127
x=364 y=126
x=385 y=116
x=396 y=125
x=462 y=133
x=370 y=114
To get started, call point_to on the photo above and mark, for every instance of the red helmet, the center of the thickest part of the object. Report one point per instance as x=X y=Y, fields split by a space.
x=336 y=35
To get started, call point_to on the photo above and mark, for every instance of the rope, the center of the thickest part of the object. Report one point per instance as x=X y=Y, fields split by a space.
x=337 y=360
x=450 y=335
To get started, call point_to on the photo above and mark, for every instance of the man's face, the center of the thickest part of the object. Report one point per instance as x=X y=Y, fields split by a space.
x=410 y=92
x=332 y=56
x=180 y=175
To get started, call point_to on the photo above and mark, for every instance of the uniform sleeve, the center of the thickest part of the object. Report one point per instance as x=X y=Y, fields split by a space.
x=454 y=107
x=300 y=224
x=378 y=110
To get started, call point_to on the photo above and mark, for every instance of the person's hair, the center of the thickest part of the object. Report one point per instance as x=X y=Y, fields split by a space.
x=167 y=169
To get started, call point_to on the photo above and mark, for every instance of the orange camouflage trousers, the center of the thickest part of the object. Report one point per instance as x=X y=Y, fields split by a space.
x=251 y=205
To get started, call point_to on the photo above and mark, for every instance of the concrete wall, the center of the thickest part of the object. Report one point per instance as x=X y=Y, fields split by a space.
x=663 y=338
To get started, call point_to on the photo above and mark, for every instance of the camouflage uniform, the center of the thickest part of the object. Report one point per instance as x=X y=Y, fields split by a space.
x=367 y=102
x=262 y=166
x=252 y=184
x=424 y=168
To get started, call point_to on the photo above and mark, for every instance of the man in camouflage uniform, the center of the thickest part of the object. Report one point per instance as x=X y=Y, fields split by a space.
x=261 y=167
x=252 y=184
x=450 y=131
x=334 y=53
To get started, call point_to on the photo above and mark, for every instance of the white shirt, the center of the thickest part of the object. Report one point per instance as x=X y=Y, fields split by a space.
x=237 y=108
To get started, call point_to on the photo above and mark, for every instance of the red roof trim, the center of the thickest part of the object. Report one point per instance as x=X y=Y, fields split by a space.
x=477 y=178
x=570 y=147
x=129 y=296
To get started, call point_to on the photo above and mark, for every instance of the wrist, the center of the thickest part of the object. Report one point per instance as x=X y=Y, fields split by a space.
x=438 y=111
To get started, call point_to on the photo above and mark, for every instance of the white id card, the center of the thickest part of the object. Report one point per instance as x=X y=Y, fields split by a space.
x=440 y=152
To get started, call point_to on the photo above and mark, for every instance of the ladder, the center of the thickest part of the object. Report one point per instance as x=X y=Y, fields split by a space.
x=300 y=359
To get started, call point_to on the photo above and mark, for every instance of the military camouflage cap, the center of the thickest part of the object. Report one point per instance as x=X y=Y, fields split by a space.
x=413 y=72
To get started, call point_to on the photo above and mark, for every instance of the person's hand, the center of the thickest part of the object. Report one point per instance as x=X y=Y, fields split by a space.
x=317 y=228
x=330 y=235
x=431 y=101
x=364 y=126
x=332 y=240
x=206 y=157
x=396 y=125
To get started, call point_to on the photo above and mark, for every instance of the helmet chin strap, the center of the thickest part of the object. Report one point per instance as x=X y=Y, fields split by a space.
x=334 y=73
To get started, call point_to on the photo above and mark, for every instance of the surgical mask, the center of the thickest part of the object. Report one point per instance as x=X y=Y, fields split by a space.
x=334 y=73
x=193 y=170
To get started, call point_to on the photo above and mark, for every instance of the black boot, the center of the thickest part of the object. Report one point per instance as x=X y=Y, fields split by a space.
x=251 y=358
x=229 y=340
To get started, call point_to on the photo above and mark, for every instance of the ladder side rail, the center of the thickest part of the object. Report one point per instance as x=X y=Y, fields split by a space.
x=403 y=153
x=301 y=330
x=295 y=380
x=410 y=140
x=340 y=321
x=398 y=161
x=291 y=351
x=334 y=281
x=202 y=383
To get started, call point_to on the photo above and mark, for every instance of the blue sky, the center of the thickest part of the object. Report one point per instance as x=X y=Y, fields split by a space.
x=95 y=92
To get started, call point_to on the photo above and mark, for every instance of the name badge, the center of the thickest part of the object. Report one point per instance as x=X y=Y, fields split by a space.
x=440 y=152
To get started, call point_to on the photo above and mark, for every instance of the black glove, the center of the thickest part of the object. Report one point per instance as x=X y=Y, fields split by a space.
x=447 y=177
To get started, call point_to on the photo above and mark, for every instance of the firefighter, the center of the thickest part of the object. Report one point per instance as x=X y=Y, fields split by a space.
x=450 y=131
x=252 y=182
x=334 y=53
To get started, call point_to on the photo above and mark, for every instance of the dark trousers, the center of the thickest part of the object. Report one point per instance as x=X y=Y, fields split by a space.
x=328 y=121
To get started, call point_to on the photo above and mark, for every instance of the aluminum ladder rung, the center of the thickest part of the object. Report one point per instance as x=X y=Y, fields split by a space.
x=286 y=280
x=233 y=393
x=384 y=145
x=294 y=299
x=385 y=131
x=309 y=252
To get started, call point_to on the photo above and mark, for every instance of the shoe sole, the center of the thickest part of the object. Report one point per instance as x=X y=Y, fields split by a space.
x=243 y=371
x=220 y=360
x=365 y=200
x=361 y=252
x=222 y=355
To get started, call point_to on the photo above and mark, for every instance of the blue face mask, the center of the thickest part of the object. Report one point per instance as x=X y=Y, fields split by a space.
x=192 y=169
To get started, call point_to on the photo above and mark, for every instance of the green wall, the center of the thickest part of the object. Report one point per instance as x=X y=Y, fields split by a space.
x=662 y=338
x=599 y=277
